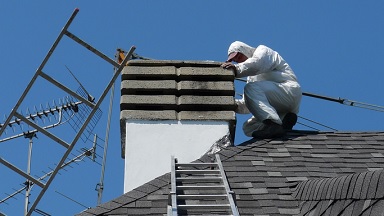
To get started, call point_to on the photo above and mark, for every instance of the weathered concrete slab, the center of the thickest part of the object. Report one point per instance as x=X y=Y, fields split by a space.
x=207 y=115
x=149 y=114
x=156 y=87
x=173 y=115
x=176 y=63
x=171 y=102
x=148 y=99
x=205 y=100
x=149 y=72
x=206 y=88
x=167 y=87
x=180 y=70
x=203 y=71
x=197 y=85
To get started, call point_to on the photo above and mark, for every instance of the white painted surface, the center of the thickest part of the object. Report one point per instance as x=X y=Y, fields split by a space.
x=150 y=144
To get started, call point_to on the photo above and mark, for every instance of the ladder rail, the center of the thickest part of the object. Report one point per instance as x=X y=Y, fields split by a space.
x=230 y=193
x=173 y=187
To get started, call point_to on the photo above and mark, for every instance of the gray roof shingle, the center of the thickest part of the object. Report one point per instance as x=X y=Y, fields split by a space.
x=304 y=172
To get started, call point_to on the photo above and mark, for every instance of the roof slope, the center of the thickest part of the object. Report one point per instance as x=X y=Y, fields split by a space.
x=304 y=173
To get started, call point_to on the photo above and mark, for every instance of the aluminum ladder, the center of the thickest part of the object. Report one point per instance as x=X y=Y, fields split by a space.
x=93 y=105
x=200 y=189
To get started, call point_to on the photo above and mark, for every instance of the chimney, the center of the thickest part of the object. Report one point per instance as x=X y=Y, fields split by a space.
x=180 y=108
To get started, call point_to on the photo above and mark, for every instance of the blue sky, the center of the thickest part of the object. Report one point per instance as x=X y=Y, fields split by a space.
x=334 y=47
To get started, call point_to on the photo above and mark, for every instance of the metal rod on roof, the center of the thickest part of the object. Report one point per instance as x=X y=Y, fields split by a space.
x=348 y=102
x=340 y=100
x=100 y=185
x=28 y=183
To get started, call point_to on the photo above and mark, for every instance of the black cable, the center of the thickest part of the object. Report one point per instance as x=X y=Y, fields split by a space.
x=340 y=100
x=317 y=123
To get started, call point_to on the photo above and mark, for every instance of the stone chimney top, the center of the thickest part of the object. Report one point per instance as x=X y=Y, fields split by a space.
x=181 y=108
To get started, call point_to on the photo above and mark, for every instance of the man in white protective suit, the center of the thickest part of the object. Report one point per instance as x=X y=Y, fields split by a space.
x=272 y=93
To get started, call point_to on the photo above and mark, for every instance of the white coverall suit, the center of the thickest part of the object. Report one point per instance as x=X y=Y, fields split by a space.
x=272 y=89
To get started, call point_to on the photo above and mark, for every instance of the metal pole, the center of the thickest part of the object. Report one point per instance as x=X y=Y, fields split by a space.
x=28 y=183
x=338 y=100
x=101 y=183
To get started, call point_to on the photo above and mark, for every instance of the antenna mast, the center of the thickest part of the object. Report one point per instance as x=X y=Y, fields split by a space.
x=28 y=183
x=92 y=105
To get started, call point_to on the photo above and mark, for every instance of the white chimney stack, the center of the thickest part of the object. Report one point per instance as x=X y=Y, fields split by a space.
x=179 y=108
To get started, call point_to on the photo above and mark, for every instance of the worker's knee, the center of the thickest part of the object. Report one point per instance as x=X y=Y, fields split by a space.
x=252 y=89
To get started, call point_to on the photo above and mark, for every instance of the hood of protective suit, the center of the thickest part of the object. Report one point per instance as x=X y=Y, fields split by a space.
x=241 y=47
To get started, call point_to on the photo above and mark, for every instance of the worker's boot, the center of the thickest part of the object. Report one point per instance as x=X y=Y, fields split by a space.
x=289 y=121
x=270 y=130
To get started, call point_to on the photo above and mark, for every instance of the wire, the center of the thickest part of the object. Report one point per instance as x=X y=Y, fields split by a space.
x=40 y=212
x=308 y=126
x=343 y=101
x=317 y=123
x=87 y=207
x=338 y=100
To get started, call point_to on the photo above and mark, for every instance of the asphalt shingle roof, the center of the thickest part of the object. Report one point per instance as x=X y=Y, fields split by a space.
x=355 y=193
x=303 y=173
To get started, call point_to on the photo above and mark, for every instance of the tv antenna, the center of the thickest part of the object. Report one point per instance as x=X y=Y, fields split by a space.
x=93 y=107
x=65 y=111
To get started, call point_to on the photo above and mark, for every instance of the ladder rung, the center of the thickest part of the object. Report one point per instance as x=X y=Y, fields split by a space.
x=202 y=197
x=22 y=173
x=66 y=89
x=199 y=179
x=207 y=206
x=201 y=187
x=90 y=48
x=198 y=171
x=42 y=130
x=195 y=164
x=205 y=182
